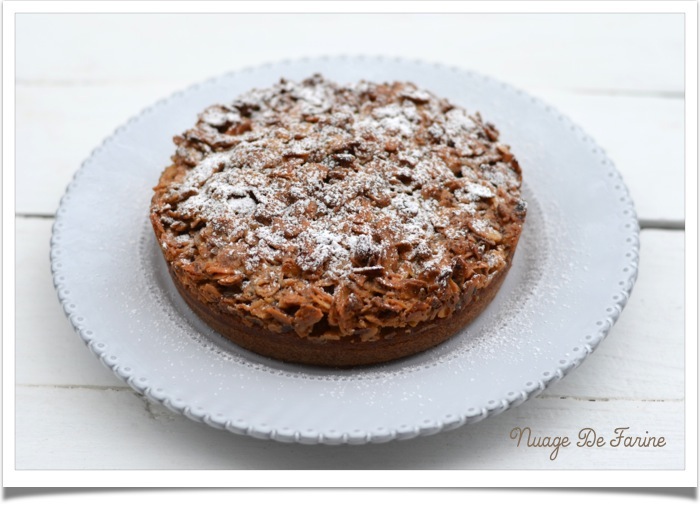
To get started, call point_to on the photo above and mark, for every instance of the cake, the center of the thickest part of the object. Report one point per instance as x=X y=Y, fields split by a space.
x=338 y=225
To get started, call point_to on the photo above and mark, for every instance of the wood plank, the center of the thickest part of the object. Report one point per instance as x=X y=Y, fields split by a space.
x=59 y=126
x=58 y=428
x=629 y=364
x=642 y=52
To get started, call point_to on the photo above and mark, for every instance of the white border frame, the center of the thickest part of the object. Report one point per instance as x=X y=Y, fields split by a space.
x=682 y=478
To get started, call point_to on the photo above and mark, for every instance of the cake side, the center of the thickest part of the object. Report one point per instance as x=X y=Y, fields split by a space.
x=346 y=352
x=337 y=215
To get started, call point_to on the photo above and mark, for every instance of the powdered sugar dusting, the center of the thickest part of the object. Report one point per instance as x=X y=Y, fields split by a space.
x=326 y=183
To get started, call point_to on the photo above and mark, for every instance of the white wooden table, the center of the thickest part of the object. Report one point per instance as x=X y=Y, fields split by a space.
x=618 y=76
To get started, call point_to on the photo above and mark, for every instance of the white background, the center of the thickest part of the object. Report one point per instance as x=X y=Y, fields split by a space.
x=620 y=77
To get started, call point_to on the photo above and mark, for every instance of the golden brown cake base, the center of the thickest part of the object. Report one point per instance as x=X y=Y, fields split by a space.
x=398 y=343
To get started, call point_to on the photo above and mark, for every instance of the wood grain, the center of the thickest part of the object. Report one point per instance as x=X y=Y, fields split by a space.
x=612 y=52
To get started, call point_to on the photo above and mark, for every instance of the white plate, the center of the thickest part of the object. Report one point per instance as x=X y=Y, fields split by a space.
x=572 y=275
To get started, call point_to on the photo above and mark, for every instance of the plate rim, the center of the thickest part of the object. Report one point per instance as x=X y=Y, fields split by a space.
x=531 y=388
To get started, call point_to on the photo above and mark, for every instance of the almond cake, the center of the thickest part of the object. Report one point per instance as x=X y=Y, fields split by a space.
x=338 y=225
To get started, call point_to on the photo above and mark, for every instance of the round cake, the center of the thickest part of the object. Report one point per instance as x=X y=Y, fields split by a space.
x=338 y=225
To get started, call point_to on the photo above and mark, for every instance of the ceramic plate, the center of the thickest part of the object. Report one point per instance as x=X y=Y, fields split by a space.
x=572 y=275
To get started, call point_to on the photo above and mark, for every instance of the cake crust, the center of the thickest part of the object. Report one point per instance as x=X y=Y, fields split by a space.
x=338 y=225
